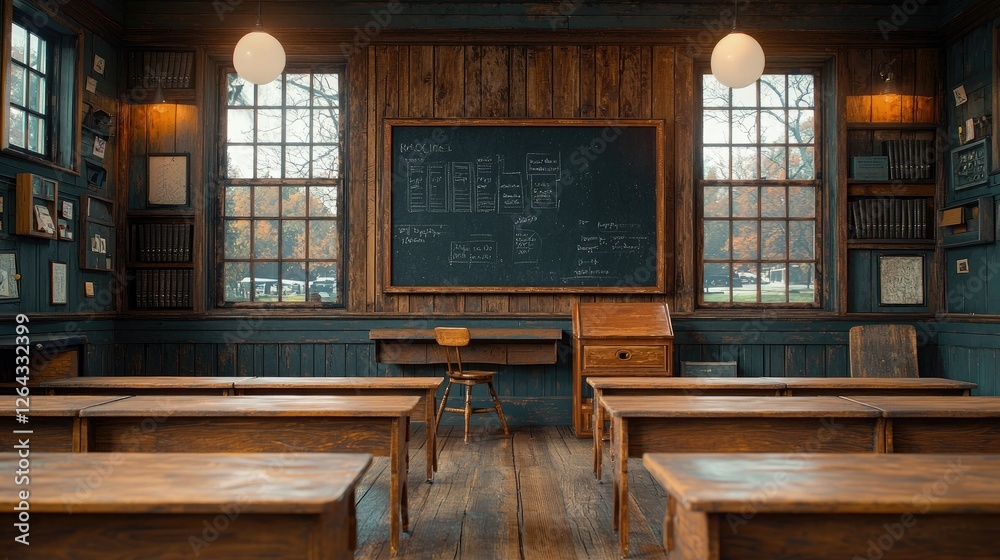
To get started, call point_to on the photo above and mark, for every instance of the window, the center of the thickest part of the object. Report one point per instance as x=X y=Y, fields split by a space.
x=282 y=224
x=41 y=83
x=759 y=192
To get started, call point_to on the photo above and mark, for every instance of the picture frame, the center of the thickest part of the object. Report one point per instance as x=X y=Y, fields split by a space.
x=995 y=167
x=58 y=283
x=970 y=165
x=64 y=221
x=167 y=180
x=10 y=288
x=901 y=280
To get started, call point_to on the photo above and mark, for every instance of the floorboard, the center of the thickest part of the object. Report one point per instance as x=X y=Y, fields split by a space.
x=529 y=496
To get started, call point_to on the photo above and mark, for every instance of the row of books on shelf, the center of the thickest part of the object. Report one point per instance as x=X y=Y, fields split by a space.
x=909 y=158
x=162 y=242
x=888 y=218
x=163 y=288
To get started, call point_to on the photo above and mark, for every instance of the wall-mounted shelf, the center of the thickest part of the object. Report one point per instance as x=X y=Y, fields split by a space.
x=968 y=223
x=36 y=212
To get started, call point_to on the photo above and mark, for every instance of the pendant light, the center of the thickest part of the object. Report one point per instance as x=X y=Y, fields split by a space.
x=259 y=58
x=737 y=60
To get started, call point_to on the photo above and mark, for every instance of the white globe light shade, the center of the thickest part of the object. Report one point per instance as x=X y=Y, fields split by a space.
x=737 y=60
x=259 y=58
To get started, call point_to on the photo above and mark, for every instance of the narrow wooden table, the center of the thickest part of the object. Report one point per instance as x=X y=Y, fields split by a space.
x=423 y=387
x=53 y=421
x=183 y=505
x=818 y=506
x=650 y=386
x=516 y=346
x=262 y=423
x=850 y=386
x=679 y=424
x=143 y=385
x=939 y=424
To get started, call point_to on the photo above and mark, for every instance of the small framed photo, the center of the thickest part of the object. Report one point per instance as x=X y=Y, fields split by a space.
x=167 y=180
x=962 y=266
x=970 y=165
x=58 y=283
x=901 y=279
x=9 y=278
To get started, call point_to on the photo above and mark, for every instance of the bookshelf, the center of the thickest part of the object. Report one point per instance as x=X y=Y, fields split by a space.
x=160 y=261
x=37 y=199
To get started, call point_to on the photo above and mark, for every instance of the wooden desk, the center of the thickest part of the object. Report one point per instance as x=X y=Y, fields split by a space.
x=488 y=346
x=53 y=356
x=850 y=386
x=54 y=421
x=263 y=423
x=650 y=386
x=829 y=506
x=143 y=385
x=680 y=424
x=183 y=505
x=423 y=387
x=939 y=424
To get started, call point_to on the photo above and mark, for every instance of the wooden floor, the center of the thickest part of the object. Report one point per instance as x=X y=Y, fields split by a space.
x=529 y=495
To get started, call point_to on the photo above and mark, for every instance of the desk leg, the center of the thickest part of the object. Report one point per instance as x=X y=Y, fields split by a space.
x=397 y=481
x=429 y=421
x=598 y=430
x=619 y=432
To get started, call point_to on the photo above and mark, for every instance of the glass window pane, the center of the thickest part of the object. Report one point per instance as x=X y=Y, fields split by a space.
x=326 y=162
x=326 y=91
x=716 y=202
x=265 y=281
x=237 y=239
x=715 y=163
x=323 y=239
x=269 y=125
x=297 y=90
x=293 y=282
x=772 y=90
x=297 y=126
x=237 y=201
x=268 y=162
x=714 y=94
x=801 y=240
x=38 y=54
x=16 y=124
x=323 y=281
x=772 y=127
x=293 y=239
x=36 y=93
x=801 y=202
x=801 y=90
x=772 y=240
x=802 y=282
x=296 y=162
x=716 y=239
x=239 y=162
x=269 y=95
x=265 y=201
x=745 y=97
x=744 y=163
x=802 y=163
x=239 y=92
x=745 y=202
x=802 y=126
x=772 y=163
x=747 y=273
x=293 y=201
x=36 y=134
x=772 y=202
x=265 y=239
x=18 y=85
x=776 y=290
x=325 y=126
x=745 y=240
x=19 y=44
x=236 y=279
x=239 y=126
x=716 y=281
x=744 y=127
x=715 y=126
x=322 y=201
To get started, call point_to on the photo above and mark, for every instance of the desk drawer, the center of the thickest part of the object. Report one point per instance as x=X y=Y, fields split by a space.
x=625 y=356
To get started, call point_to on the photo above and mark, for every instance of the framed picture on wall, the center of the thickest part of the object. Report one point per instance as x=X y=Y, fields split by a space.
x=995 y=168
x=167 y=180
x=58 y=283
x=9 y=278
x=901 y=279
x=970 y=164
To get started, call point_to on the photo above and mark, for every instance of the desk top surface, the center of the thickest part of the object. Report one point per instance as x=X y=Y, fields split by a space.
x=513 y=334
x=685 y=406
x=829 y=482
x=763 y=383
x=257 y=406
x=933 y=407
x=51 y=405
x=185 y=482
x=145 y=382
x=340 y=383
x=876 y=383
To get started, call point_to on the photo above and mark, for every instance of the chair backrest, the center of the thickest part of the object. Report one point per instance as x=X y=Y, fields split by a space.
x=450 y=339
x=884 y=351
x=708 y=369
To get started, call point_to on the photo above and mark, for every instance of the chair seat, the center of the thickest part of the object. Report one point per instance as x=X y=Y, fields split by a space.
x=472 y=375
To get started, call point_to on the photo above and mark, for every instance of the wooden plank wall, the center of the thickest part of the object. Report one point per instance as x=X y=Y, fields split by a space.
x=534 y=81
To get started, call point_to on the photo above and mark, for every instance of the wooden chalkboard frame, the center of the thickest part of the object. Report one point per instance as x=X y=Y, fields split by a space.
x=385 y=221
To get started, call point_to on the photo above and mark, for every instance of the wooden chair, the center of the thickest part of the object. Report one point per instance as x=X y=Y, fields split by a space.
x=451 y=339
x=884 y=351
x=708 y=369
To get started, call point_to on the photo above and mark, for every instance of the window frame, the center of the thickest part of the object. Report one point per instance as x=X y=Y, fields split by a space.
x=64 y=95
x=340 y=182
x=817 y=183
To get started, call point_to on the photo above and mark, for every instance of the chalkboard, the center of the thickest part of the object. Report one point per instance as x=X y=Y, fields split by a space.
x=524 y=205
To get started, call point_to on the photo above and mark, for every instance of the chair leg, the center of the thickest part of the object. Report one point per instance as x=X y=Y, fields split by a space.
x=437 y=422
x=468 y=410
x=496 y=403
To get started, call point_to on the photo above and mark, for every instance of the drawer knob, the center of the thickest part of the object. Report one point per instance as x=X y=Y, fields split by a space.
x=624 y=355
